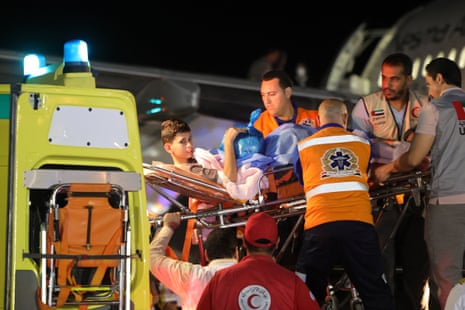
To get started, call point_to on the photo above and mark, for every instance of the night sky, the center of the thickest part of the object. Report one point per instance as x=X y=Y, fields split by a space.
x=214 y=38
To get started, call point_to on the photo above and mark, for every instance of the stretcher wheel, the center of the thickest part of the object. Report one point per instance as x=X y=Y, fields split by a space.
x=331 y=303
x=356 y=304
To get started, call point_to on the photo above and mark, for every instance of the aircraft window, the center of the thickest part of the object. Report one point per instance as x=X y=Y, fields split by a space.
x=452 y=54
x=461 y=60
x=427 y=60
x=416 y=68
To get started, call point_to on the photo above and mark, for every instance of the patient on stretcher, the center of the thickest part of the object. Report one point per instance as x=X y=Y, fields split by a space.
x=240 y=162
x=177 y=141
x=242 y=184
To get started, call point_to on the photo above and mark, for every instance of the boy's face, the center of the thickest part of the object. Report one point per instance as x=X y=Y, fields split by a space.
x=182 y=148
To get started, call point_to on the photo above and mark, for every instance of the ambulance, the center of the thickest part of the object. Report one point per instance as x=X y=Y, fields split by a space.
x=74 y=231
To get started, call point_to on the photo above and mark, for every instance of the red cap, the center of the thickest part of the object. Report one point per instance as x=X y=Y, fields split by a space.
x=261 y=230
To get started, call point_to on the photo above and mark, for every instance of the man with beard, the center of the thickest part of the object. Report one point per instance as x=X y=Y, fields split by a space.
x=388 y=117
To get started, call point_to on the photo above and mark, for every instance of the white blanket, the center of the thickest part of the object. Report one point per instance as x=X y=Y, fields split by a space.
x=249 y=179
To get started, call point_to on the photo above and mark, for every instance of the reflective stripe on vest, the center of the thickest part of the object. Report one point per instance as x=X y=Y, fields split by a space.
x=331 y=140
x=336 y=187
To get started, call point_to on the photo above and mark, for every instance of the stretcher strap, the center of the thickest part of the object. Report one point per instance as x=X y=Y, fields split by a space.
x=171 y=253
x=193 y=205
x=203 y=260
x=102 y=268
x=96 y=278
x=64 y=290
x=42 y=306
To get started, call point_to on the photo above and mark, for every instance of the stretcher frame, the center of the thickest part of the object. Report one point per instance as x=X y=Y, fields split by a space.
x=228 y=212
x=192 y=185
x=195 y=186
x=413 y=184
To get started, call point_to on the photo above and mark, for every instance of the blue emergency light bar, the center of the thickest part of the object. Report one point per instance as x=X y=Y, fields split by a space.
x=73 y=71
x=33 y=63
x=76 y=57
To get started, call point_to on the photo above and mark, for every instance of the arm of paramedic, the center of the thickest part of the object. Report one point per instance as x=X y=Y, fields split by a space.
x=419 y=148
x=418 y=151
x=168 y=270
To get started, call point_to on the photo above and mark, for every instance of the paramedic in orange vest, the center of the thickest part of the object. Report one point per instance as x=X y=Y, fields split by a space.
x=333 y=166
x=276 y=92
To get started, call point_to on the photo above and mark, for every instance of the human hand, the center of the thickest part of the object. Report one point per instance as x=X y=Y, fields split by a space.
x=383 y=172
x=172 y=220
x=232 y=132
x=425 y=164
x=156 y=163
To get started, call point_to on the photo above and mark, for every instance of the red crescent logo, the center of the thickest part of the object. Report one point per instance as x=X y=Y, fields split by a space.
x=254 y=297
x=416 y=112
x=250 y=303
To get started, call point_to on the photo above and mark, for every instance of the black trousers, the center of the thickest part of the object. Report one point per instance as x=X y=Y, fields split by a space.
x=401 y=233
x=353 y=244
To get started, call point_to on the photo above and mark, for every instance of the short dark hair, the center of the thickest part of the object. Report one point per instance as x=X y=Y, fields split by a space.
x=253 y=249
x=170 y=128
x=449 y=69
x=221 y=243
x=401 y=60
x=285 y=80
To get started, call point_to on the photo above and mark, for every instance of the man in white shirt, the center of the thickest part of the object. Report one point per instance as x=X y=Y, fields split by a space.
x=186 y=279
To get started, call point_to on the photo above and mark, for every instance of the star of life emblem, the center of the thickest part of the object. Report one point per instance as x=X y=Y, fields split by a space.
x=339 y=162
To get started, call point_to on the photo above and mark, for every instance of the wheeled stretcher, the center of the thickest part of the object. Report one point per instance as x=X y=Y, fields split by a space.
x=84 y=250
x=283 y=198
x=406 y=190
